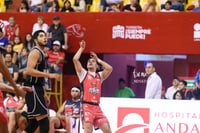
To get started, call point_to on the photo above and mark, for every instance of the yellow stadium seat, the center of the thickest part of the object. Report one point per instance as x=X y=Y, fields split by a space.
x=72 y=2
x=2 y=6
x=192 y=2
x=61 y=3
x=95 y=7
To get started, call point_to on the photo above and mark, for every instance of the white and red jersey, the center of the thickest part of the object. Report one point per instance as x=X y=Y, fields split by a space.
x=91 y=86
x=10 y=32
x=12 y=103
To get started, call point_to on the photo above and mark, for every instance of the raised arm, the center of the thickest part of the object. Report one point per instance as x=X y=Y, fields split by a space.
x=77 y=63
x=33 y=59
x=107 y=68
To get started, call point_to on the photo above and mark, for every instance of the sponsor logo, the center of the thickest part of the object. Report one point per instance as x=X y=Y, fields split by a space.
x=133 y=120
x=196 y=34
x=76 y=30
x=130 y=32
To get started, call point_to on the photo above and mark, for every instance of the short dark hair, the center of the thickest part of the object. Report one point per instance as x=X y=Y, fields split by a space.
x=36 y=34
x=9 y=54
x=122 y=80
x=179 y=91
x=176 y=79
x=184 y=82
x=168 y=2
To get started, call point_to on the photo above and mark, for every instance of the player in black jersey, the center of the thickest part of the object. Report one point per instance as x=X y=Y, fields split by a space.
x=37 y=108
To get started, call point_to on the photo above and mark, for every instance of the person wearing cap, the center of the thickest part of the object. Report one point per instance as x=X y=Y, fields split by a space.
x=3 y=41
x=56 y=57
x=57 y=31
x=67 y=113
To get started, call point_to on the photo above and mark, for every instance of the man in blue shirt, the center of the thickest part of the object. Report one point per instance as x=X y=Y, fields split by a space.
x=3 y=41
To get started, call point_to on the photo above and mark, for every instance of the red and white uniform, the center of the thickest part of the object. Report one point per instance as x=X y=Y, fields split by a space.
x=91 y=93
x=3 y=117
x=12 y=104
x=10 y=33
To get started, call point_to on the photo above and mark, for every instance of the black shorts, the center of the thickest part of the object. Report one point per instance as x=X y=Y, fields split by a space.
x=35 y=102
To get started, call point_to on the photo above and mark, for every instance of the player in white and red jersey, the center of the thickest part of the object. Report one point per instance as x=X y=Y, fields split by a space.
x=91 y=81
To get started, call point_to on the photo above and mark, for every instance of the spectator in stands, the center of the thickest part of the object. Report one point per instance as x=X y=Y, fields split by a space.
x=188 y=93
x=35 y=5
x=123 y=91
x=54 y=7
x=133 y=7
x=12 y=29
x=151 y=6
x=24 y=6
x=67 y=7
x=154 y=83
x=171 y=90
x=3 y=41
x=197 y=79
x=178 y=95
x=18 y=45
x=13 y=69
x=177 y=5
x=40 y=25
x=22 y=60
x=28 y=41
x=197 y=9
x=168 y=7
x=79 y=5
x=112 y=8
x=9 y=49
x=67 y=113
x=56 y=57
x=46 y=5
x=57 y=31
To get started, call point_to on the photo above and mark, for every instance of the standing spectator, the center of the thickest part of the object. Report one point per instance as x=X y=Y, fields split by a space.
x=12 y=29
x=3 y=41
x=168 y=7
x=11 y=67
x=123 y=91
x=154 y=83
x=28 y=41
x=151 y=6
x=178 y=95
x=40 y=25
x=197 y=79
x=133 y=7
x=197 y=9
x=9 y=49
x=24 y=6
x=79 y=5
x=57 y=31
x=18 y=45
x=56 y=58
x=35 y=5
x=171 y=90
x=67 y=7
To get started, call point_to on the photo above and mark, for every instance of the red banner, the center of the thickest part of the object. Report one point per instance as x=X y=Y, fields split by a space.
x=154 y=33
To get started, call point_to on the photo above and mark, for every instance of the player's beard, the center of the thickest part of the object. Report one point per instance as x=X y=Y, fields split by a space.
x=42 y=45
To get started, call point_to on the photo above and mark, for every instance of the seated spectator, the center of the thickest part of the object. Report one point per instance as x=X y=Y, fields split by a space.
x=67 y=113
x=151 y=6
x=56 y=58
x=54 y=7
x=22 y=60
x=168 y=7
x=112 y=8
x=57 y=31
x=46 y=5
x=171 y=90
x=18 y=45
x=79 y=5
x=3 y=42
x=67 y=7
x=9 y=49
x=11 y=30
x=178 y=95
x=133 y=7
x=123 y=91
x=197 y=9
x=13 y=69
x=28 y=41
x=24 y=6
x=188 y=93
x=35 y=5
x=40 y=25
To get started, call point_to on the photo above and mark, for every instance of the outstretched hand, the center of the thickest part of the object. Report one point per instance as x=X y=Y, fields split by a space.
x=82 y=44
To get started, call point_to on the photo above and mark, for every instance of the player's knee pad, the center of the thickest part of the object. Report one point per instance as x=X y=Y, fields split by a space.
x=32 y=126
x=44 y=125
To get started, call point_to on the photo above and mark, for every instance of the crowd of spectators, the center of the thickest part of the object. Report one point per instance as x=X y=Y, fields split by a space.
x=108 y=5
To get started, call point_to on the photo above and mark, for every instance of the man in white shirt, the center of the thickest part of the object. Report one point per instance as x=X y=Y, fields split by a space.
x=171 y=90
x=35 y=5
x=154 y=83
